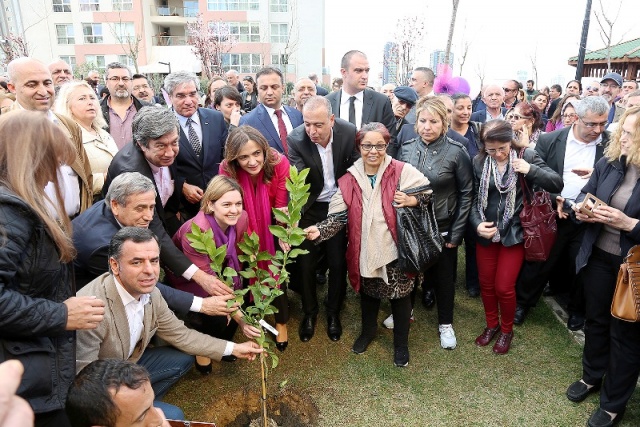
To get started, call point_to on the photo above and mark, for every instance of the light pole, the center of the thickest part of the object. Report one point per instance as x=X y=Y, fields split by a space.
x=168 y=64
x=583 y=41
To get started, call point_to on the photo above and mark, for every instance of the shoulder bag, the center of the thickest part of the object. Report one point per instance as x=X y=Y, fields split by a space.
x=626 y=298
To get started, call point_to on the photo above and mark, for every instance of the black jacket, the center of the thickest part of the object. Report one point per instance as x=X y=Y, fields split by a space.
x=540 y=176
x=33 y=286
x=447 y=165
x=605 y=180
x=105 y=108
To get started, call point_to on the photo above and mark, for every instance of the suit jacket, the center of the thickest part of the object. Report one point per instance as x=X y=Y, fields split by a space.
x=92 y=232
x=320 y=91
x=199 y=171
x=110 y=340
x=131 y=159
x=259 y=119
x=304 y=154
x=376 y=108
x=552 y=147
x=481 y=115
x=408 y=132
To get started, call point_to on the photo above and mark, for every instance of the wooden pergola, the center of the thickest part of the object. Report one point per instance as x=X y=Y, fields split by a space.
x=625 y=60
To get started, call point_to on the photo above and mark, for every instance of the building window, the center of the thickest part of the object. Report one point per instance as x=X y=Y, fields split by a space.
x=89 y=5
x=126 y=60
x=242 y=62
x=71 y=60
x=92 y=33
x=122 y=4
x=233 y=4
x=65 y=34
x=282 y=60
x=124 y=32
x=62 y=5
x=97 y=60
x=245 y=32
x=278 y=5
x=191 y=9
x=279 y=33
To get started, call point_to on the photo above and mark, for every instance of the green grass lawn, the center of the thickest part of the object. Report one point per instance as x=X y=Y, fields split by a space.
x=468 y=386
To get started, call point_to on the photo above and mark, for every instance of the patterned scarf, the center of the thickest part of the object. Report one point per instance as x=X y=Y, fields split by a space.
x=228 y=238
x=509 y=188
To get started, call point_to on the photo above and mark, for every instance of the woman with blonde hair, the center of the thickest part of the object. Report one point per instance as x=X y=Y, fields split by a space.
x=39 y=311
x=612 y=346
x=79 y=101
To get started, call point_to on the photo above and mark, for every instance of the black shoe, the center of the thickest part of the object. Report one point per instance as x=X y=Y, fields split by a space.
x=578 y=391
x=428 y=298
x=401 y=357
x=204 y=369
x=361 y=344
x=229 y=358
x=473 y=292
x=575 y=322
x=307 y=328
x=321 y=278
x=334 y=327
x=521 y=314
x=282 y=346
x=601 y=418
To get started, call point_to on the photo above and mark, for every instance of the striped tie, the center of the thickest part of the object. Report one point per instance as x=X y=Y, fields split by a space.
x=193 y=137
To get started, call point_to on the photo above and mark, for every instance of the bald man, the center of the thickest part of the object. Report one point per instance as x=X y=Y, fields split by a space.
x=303 y=90
x=60 y=73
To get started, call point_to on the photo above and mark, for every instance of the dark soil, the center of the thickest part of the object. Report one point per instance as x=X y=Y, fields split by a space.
x=288 y=407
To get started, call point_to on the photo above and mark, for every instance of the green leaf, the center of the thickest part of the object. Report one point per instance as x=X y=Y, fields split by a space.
x=278 y=231
x=264 y=256
x=296 y=240
x=280 y=216
x=295 y=252
x=229 y=272
x=274 y=361
x=248 y=274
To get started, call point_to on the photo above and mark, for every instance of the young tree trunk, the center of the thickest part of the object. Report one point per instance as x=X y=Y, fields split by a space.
x=454 y=12
x=263 y=371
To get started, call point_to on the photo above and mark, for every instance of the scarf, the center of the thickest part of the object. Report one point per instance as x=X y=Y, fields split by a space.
x=227 y=238
x=489 y=168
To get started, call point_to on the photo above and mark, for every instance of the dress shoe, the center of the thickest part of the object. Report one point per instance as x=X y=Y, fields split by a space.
x=575 y=322
x=428 y=298
x=503 y=343
x=229 y=358
x=321 y=277
x=601 y=418
x=473 y=292
x=487 y=336
x=361 y=344
x=204 y=369
x=521 y=314
x=282 y=346
x=307 y=328
x=578 y=391
x=334 y=327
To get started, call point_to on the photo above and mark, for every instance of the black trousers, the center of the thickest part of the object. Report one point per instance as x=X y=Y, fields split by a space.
x=304 y=270
x=401 y=309
x=600 y=277
x=535 y=275
x=441 y=277
x=624 y=366
x=52 y=419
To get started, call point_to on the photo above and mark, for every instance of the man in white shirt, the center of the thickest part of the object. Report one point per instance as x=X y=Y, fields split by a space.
x=572 y=152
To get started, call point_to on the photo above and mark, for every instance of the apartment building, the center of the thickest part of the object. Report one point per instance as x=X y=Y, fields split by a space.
x=288 y=34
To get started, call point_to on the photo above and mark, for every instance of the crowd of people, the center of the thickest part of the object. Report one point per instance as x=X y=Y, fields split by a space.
x=99 y=186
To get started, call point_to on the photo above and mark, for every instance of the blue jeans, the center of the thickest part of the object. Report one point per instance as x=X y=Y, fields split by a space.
x=170 y=412
x=166 y=365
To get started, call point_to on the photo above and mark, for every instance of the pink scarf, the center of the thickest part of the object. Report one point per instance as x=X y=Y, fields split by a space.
x=258 y=207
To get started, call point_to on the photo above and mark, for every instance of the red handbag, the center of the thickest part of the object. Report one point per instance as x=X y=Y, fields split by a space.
x=538 y=220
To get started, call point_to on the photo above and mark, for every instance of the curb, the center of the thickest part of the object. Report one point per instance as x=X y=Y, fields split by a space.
x=562 y=316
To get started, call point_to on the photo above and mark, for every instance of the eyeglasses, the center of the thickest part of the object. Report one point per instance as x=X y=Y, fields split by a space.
x=516 y=117
x=593 y=88
x=609 y=85
x=569 y=116
x=369 y=147
x=493 y=151
x=117 y=79
x=509 y=90
x=592 y=125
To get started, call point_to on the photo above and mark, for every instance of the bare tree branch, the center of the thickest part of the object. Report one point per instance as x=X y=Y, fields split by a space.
x=13 y=46
x=606 y=25
x=130 y=43
x=408 y=38
x=209 y=42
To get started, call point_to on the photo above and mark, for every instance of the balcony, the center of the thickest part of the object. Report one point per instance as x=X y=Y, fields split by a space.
x=169 y=40
x=172 y=15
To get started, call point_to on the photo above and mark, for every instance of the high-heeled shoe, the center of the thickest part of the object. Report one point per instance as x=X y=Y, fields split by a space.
x=204 y=369
x=282 y=346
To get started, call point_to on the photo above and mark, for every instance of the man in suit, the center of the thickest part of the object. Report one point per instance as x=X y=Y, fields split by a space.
x=356 y=104
x=572 y=152
x=233 y=79
x=493 y=96
x=203 y=133
x=319 y=89
x=325 y=145
x=130 y=202
x=273 y=120
x=303 y=90
x=135 y=312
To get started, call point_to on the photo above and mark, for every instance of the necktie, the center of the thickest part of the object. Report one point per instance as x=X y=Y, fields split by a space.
x=352 y=110
x=282 y=130
x=193 y=137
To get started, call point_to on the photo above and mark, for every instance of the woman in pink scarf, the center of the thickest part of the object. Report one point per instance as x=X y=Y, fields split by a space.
x=262 y=173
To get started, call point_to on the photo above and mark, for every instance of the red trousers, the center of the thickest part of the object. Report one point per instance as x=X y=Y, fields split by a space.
x=498 y=269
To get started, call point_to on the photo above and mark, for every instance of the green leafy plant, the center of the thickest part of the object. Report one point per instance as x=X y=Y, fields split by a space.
x=265 y=285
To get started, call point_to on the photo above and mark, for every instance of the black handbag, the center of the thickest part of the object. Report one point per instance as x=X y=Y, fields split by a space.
x=419 y=241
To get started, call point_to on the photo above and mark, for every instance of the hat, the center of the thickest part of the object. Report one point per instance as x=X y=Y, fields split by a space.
x=613 y=76
x=406 y=94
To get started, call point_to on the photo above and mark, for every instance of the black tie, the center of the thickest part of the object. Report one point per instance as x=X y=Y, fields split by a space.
x=352 y=110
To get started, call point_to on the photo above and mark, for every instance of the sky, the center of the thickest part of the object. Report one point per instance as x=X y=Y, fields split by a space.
x=503 y=34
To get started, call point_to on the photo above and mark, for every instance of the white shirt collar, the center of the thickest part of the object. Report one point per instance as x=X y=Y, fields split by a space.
x=344 y=99
x=126 y=297
x=572 y=138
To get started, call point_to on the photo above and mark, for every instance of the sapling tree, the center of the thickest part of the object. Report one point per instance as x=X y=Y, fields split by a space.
x=265 y=285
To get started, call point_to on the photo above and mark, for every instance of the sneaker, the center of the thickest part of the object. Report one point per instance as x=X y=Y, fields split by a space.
x=447 y=337
x=401 y=357
x=388 y=322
